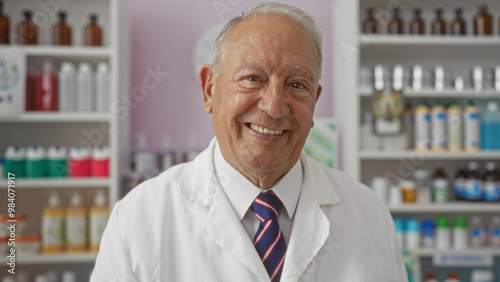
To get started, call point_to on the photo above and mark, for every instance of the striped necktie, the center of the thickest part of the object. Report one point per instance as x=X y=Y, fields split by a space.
x=269 y=241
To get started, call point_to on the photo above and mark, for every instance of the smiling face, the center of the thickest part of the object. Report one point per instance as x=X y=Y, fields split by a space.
x=263 y=97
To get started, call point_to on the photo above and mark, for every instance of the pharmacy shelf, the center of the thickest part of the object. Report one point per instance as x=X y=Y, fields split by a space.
x=25 y=259
x=401 y=155
x=56 y=117
x=452 y=207
x=43 y=183
x=478 y=251
x=431 y=93
x=60 y=51
x=401 y=40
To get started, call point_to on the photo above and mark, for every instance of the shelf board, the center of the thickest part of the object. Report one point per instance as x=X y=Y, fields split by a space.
x=431 y=93
x=42 y=183
x=397 y=155
x=60 y=51
x=25 y=259
x=453 y=207
x=428 y=40
x=479 y=251
x=56 y=117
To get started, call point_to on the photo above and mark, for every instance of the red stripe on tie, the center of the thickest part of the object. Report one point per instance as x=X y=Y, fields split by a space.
x=271 y=248
x=262 y=203
x=262 y=232
x=278 y=267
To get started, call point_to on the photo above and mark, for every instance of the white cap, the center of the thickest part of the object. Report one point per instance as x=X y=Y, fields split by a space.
x=79 y=153
x=395 y=197
x=492 y=106
x=54 y=200
x=100 y=199
x=421 y=174
x=491 y=166
x=68 y=276
x=57 y=153
x=100 y=153
x=35 y=153
x=75 y=200
x=102 y=67
x=15 y=153
x=379 y=186
x=473 y=166
x=67 y=67
x=84 y=67
x=480 y=275
x=407 y=184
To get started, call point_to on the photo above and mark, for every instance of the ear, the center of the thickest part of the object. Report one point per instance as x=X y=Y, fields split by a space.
x=207 y=81
x=320 y=88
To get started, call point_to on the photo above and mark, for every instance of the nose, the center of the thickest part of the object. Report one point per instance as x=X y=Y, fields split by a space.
x=273 y=101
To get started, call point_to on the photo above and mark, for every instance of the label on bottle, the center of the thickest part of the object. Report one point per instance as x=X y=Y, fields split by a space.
x=439 y=130
x=53 y=232
x=478 y=237
x=491 y=191
x=495 y=237
x=472 y=131
x=454 y=132
x=76 y=231
x=422 y=125
x=458 y=187
x=459 y=238
x=473 y=189
x=98 y=220
x=440 y=191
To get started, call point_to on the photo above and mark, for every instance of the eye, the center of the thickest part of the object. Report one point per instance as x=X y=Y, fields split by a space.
x=298 y=85
x=252 y=78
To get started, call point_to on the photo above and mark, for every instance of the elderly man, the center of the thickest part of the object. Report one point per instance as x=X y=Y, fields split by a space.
x=253 y=206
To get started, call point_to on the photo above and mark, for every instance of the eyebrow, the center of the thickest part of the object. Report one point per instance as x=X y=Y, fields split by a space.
x=258 y=65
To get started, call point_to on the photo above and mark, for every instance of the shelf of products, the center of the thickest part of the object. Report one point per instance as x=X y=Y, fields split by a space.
x=31 y=259
x=60 y=51
x=50 y=183
x=41 y=117
x=368 y=40
x=397 y=155
x=450 y=207
x=478 y=251
x=366 y=92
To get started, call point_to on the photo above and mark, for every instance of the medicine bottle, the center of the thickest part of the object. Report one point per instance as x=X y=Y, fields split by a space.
x=396 y=23
x=4 y=26
x=440 y=186
x=27 y=31
x=438 y=26
x=417 y=24
x=62 y=31
x=370 y=26
x=458 y=26
x=483 y=22
x=93 y=33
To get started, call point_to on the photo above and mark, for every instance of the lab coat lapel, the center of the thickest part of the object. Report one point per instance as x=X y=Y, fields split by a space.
x=225 y=229
x=311 y=227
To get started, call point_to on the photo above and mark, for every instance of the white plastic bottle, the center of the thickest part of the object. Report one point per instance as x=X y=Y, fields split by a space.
x=471 y=132
x=477 y=233
x=52 y=226
x=102 y=88
x=460 y=233
x=438 y=125
x=454 y=127
x=494 y=232
x=67 y=87
x=99 y=214
x=76 y=225
x=85 y=87
x=422 y=127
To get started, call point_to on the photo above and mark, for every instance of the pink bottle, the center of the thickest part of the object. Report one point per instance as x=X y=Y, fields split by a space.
x=99 y=164
x=79 y=162
x=46 y=89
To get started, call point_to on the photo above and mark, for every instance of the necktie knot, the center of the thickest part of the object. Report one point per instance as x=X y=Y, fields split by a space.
x=266 y=206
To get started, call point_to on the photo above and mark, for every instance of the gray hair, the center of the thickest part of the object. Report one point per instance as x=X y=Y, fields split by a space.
x=308 y=23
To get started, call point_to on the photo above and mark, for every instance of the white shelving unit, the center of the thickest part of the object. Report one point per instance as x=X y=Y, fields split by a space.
x=352 y=51
x=70 y=129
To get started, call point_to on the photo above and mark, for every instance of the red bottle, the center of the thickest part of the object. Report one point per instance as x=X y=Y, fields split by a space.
x=46 y=89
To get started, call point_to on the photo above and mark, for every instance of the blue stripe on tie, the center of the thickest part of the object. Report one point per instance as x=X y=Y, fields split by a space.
x=269 y=241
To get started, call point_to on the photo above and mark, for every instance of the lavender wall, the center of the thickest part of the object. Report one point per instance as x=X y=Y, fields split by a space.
x=164 y=33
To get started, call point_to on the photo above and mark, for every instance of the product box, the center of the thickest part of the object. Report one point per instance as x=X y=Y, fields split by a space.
x=12 y=81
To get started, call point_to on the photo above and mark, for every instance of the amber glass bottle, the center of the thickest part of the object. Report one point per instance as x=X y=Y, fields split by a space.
x=370 y=26
x=417 y=24
x=483 y=22
x=27 y=31
x=438 y=25
x=93 y=33
x=396 y=23
x=4 y=26
x=62 y=31
x=458 y=26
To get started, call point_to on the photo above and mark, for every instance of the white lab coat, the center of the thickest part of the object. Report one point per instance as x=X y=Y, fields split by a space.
x=179 y=226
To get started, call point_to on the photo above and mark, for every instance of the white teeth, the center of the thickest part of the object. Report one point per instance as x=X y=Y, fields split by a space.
x=265 y=131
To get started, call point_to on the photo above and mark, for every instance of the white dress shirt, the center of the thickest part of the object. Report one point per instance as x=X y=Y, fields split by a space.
x=241 y=193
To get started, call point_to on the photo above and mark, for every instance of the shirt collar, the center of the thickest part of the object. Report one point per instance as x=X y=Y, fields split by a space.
x=241 y=193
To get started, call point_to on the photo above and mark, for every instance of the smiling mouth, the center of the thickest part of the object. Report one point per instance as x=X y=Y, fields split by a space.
x=264 y=131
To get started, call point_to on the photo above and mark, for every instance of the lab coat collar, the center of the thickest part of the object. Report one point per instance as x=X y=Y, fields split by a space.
x=311 y=226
